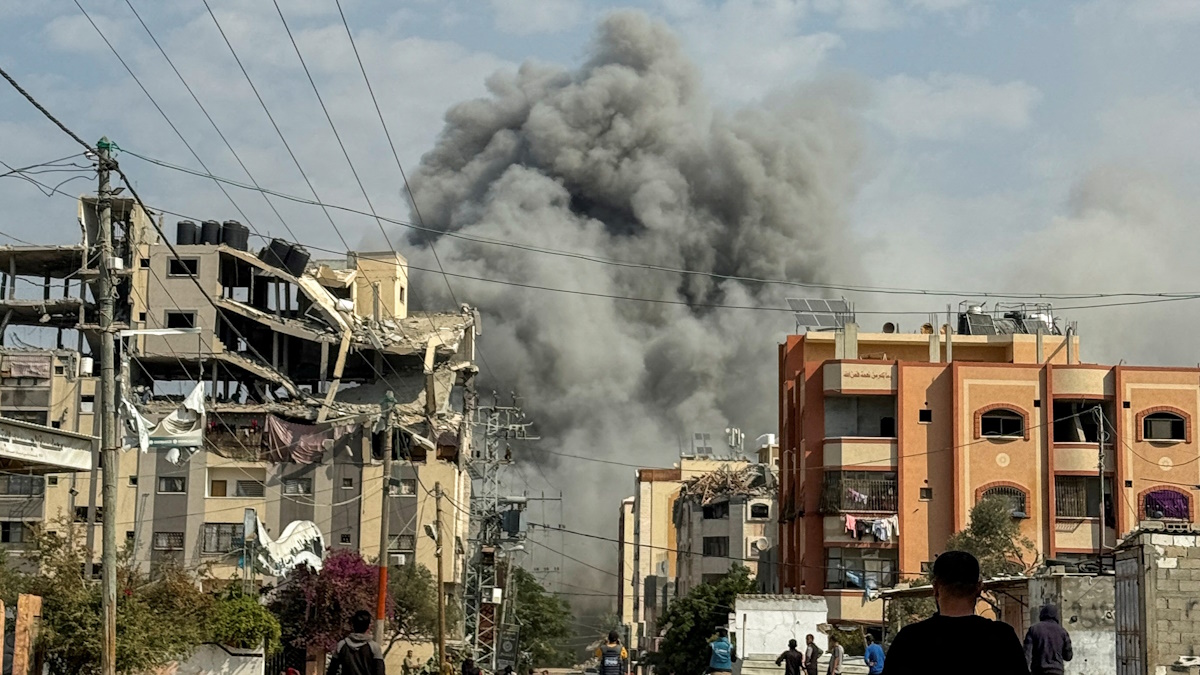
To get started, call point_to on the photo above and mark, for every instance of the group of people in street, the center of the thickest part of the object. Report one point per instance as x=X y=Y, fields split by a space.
x=807 y=662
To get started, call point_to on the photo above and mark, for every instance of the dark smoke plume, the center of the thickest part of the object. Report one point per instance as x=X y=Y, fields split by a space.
x=626 y=158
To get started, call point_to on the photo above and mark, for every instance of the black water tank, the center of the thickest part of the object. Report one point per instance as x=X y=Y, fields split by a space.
x=185 y=233
x=235 y=235
x=210 y=233
x=275 y=253
x=297 y=260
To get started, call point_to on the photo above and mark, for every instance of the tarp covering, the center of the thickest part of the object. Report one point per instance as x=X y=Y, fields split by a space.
x=184 y=427
x=300 y=543
x=300 y=443
x=28 y=365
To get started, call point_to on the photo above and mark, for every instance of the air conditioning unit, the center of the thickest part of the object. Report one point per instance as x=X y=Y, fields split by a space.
x=398 y=559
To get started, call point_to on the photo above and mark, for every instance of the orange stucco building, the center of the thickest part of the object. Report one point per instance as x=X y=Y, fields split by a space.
x=907 y=430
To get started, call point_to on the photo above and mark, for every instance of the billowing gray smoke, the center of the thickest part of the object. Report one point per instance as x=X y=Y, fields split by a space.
x=625 y=158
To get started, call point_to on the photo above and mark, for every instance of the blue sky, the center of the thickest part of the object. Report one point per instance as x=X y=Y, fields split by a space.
x=1005 y=145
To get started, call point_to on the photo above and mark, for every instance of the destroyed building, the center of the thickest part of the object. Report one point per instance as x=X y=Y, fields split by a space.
x=296 y=370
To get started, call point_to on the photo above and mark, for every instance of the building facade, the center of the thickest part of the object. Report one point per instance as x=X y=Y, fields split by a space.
x=305 y=366
x=912 y=430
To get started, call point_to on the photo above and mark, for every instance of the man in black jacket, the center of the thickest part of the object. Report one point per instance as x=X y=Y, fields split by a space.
x=1047 y=644
x=794 y=658
x=357 y=654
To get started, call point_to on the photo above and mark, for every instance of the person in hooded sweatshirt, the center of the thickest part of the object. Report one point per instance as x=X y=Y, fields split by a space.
x=1047 y=643
x=357 y=654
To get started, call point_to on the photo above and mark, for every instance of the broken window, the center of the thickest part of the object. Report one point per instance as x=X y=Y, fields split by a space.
x=716 y=511
x=183 y=267
x=1075 y=421
x=872 y=416
x=760 y=511
x=297 y=486
x=716 y=547
x=861 y=568
x=172 y=484
x=180 y=319
x=87 y=403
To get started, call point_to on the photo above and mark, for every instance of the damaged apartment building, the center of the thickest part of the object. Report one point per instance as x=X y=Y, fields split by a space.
x=251 y=380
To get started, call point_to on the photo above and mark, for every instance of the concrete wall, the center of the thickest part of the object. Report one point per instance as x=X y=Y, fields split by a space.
x=1087 y=606
x=1169 y=570
x=216 y=660
x=765 y=623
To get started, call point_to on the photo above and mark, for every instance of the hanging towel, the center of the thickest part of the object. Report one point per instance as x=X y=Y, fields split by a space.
x=851 y=521
x=894 y=526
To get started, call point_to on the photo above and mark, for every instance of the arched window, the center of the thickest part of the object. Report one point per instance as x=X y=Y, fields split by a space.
x=1164 y=426
x=1166 y=505
x=1013 y=495
x=1003 y=423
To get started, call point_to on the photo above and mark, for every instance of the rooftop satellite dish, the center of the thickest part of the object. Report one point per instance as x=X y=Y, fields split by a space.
x=889 y=327
x=761 y=544
x=927 y=329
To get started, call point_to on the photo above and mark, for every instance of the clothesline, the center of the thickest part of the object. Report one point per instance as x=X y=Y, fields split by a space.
x=883 y=529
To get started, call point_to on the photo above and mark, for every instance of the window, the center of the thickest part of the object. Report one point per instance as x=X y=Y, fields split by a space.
x=168 y=484
x=1015 y=497
x=130 y=535
x=249 y=488
x=59 y=370
x=51 y=480
x=87 y=403
x=81 y=514
x=716 y=511
x=408 y=486
x=15 y=532
x=1002 y=423
x=926 y=567
x=716 y=547
x=133 y=481
x=26 y=486
x=345 y=539
x=217 y=488
x=184 y=267
x=347 y=483
x=169 y=541
x=402 y=542
x=144 y=263
x=174 y=319
x=760 y=511
x=1166 y=505
x=926 y=494
x=1164 y=426
x=297 y=486
x=861 y=568
x=222 y=537
x=925 y=416
x=1079 y=497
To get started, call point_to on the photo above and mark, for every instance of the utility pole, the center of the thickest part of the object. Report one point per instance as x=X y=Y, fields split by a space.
x=1101 y=436
x=108 y=423
x=384 y=539
x=441 y=595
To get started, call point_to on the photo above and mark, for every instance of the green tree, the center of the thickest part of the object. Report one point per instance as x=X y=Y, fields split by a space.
x=414 y=605
x=994 y=537
x=691 y=621
x=314 y=608
x=544 y=622
x=240 y=620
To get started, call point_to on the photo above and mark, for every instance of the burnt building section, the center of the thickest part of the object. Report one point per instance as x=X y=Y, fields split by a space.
x=303 y=367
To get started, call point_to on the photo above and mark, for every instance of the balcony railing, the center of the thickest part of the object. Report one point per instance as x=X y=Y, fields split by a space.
x=858 y=492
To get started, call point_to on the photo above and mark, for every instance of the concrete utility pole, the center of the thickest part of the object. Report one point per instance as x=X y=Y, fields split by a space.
x=1101 y=436
x=108 y=422
x=385 y=512
x=441 y=596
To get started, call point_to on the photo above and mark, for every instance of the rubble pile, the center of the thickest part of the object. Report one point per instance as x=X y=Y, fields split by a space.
x=724 y=482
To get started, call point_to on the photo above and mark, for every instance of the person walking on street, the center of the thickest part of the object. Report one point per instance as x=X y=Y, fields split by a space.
x=794 y=659
x=954 y=640
x=836 y=654
x=409 y=665
x=723 y=653
x=447 y=665
x=469 y=667
x=1047 y=643
x=812 y=654
x=357 y=654
x=874 y=657
x=612 y=656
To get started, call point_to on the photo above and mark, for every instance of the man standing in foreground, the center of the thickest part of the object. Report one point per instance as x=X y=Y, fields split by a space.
x=1047 y=643
x=955 y=640
x=794 y=659
x=812 y=654
x=873 y=657
x=612 y=656
x=357 y=654
x=836 y=655
x=723 y=653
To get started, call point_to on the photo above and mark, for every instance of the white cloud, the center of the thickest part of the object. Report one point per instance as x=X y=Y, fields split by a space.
x=1154 y=12
x=881 y=15
x=947 y=107
x=526 y=17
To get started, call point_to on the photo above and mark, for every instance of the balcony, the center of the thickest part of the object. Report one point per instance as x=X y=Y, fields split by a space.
x=859 y=492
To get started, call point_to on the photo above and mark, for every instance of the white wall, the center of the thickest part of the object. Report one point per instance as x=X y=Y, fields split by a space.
x=213 y=660
x=765 y=623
